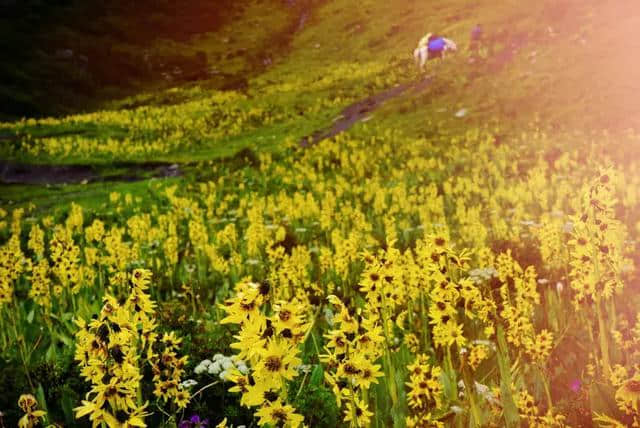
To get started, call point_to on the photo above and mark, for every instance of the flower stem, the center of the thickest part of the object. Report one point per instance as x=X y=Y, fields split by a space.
x=604 y=340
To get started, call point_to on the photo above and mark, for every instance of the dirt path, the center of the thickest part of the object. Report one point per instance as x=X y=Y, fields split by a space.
x=18 y=173
x=361 y=109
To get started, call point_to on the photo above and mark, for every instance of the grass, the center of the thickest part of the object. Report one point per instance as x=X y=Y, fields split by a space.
x=550 y=68
x=548 y=77
x=93 y=196
x=117 y=53
x=489 y=153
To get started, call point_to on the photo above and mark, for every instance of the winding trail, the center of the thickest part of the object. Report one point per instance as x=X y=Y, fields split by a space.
x=21 y=173
x=359 y=110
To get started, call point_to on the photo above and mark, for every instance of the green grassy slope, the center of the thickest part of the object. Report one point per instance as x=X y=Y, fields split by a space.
x=84 y=53
x=569 y=62
x=548 y=63
x=497 y=145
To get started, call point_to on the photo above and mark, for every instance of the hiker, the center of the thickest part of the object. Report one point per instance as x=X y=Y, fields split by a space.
x=432 y=46
x=476 y=37
x=476 y=33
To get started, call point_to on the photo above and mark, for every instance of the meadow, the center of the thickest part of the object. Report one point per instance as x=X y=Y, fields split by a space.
x=464 y=256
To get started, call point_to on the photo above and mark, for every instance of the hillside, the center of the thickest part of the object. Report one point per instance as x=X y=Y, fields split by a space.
x=262 y=213
x=68 y=56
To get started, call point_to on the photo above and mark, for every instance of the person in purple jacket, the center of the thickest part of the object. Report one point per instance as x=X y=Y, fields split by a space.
x=436 y=46
x=432 y=46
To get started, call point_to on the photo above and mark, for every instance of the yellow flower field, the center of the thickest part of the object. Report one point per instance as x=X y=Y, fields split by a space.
x=404 y=285
x=445 y=260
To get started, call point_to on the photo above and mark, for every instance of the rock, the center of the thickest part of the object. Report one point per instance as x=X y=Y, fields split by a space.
x=461 y=113
x=395 y=29
x=64 y=54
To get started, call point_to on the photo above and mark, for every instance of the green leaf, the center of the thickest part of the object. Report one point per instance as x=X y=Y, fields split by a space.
x=602 y=400
x=317 y=377
x=511 y=416
x=64 y=339
x=67 y=407
x=42 y=402
x=50 y=355
x=450 y=390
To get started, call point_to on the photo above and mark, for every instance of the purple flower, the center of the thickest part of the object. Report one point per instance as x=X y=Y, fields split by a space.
x=575 y=385
x=194 y=422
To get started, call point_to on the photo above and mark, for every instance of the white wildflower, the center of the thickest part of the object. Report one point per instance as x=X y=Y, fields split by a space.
x=456 y=409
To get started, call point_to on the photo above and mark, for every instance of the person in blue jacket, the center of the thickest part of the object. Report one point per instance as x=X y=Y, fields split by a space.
x=432 y=46
x=436 y=46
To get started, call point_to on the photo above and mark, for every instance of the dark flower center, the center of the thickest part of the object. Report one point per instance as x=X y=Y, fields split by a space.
x=284 y=315
x=264 y=288
x=279 y=415
x=122 y=416
x=117 y=354
x=634 y=386
x=270 y=396
x=111 y=391
x=351 y=369
x=273 y=363
x=247 y=306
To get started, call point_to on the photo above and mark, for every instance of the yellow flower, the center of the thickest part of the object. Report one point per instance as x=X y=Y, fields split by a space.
x=357 y=412
x=424 y=384
x=539 y=347
x=367 y=372
x=288 y=319
x=277 y=363
x=182 y=398
x=29 y=404
x=277 y=414
x=243 y=307
x=250 y=340
x=255 y=395
x=628 y=394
